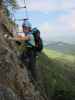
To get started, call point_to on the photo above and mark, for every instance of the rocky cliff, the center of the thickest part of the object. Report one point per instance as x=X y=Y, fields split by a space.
x=15 y=83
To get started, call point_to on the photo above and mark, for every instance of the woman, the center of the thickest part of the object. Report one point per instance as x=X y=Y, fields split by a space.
x=28 y=56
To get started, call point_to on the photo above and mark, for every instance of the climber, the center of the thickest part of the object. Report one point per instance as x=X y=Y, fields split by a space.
x=33 y=44
x=29 y=42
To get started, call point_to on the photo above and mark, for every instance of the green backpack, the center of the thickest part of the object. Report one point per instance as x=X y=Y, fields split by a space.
x=38 y=40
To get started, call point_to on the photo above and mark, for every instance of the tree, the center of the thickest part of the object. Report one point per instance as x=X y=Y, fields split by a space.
x=5 y=13
x=5 y=5
x=8 y=2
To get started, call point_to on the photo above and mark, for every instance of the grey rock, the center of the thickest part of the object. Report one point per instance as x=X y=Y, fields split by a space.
x=7 y=94
x=12 y=76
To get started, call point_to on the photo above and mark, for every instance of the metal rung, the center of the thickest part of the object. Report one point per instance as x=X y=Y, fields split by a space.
x=8 y=5
x=19 y=32
x=21 y=7
x=21 y=19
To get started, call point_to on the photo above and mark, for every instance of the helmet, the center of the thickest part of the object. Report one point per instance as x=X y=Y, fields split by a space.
x=26 y=23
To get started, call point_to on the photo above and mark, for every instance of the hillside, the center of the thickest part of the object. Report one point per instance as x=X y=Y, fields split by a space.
x=58 y=72
x=62 y=47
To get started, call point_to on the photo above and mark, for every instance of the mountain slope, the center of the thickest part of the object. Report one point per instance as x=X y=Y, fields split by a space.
x=58 y=72
x=62 y=47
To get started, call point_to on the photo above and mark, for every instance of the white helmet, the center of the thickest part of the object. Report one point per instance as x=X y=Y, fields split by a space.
x=26 y=23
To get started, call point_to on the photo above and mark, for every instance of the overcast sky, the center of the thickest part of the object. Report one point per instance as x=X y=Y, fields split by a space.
x=54 y=18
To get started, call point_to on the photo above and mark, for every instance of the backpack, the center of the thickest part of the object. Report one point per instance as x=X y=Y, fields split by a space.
x=38 y=40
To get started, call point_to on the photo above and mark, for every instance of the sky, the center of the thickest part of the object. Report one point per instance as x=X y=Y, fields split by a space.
x=54 y=18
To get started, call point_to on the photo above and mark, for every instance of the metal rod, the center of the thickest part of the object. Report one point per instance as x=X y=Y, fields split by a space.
x=21 y=19
x=23 y=7
x=19 y=32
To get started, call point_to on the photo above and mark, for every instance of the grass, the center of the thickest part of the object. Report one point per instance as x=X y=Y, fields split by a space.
x=56 y=55
x=58 y=72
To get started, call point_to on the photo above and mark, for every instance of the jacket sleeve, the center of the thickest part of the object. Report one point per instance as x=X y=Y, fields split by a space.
x=22 y=38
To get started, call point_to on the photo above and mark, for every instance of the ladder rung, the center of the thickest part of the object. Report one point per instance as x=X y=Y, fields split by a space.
x=21 y=7
x=17 y=7
x=19 y=32
x=21 y=19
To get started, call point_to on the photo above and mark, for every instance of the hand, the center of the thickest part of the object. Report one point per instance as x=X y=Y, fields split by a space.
x=23 y=38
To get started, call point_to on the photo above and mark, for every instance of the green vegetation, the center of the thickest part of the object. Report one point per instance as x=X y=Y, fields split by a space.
x=56 y=55
x=8 y=2
x=4 y=4
x=5 y=13
x=58 y=71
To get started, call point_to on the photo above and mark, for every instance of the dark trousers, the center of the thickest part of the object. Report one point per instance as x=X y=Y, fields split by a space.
x=29 y=58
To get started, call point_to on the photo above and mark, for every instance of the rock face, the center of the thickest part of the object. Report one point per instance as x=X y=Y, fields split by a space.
x=7 y=94
x=15 y=83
